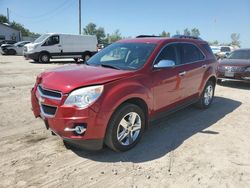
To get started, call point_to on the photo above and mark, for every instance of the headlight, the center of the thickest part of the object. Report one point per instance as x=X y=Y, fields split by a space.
x=84 y=97
x=33 y=47
x=247 y=69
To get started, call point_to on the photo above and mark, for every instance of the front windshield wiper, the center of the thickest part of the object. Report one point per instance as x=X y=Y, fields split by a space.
x=110 y=66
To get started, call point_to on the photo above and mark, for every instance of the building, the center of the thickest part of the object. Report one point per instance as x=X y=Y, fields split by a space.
x=9 y=33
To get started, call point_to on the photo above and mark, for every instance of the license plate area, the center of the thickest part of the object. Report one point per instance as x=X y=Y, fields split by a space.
x=229 y=74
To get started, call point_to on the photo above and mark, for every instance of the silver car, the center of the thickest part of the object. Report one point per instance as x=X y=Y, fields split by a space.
x=14 y=49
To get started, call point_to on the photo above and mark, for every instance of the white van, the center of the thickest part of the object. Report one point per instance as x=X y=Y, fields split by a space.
x=57 y=46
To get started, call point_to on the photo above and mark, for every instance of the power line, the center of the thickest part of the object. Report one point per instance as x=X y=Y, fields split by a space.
x=48 y=13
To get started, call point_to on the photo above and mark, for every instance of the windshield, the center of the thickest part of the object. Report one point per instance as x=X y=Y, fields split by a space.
x=41 y=38
x=240 y=54
x=124 y=56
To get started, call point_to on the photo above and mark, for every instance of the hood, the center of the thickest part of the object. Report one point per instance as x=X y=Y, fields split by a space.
x=68 y=78
x=31 y=44
x=235 y=62
x=7 y=45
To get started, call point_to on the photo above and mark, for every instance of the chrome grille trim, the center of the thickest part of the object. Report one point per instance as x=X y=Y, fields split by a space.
x=40 y=88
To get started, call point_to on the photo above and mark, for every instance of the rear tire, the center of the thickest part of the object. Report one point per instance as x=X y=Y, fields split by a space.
x=207 y=96
x=44 y=58
x=125 y=128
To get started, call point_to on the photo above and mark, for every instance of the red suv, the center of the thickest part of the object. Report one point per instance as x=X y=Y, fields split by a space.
x=112 y=98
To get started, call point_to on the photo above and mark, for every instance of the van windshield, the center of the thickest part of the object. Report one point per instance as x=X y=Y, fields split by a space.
x=41 y=38
x=123 y=56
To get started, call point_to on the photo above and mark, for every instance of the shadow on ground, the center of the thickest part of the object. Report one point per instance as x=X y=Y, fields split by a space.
x=168 y=134
x=54 y=62
x=236 y=85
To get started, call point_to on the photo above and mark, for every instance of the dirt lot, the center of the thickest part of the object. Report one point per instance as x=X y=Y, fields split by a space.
x=191 y=148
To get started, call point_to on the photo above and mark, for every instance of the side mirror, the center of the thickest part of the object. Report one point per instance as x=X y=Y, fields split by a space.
x=164 y=64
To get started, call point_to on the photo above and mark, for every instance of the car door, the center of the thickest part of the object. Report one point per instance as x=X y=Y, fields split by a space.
x=53 y=46
x=191 y=61
x=167 y=82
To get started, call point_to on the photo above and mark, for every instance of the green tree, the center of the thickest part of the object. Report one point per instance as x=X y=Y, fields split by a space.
x=186 y=32
x=178 y=32
x=115 y=36
x=3 y=19
x=19 y=27
x=91 y=29
x=214 y=43
x=195 y=32
x=235 y=37
x=165 y=34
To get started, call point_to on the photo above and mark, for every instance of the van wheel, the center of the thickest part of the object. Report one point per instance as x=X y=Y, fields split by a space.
x=125 y=128
x=207 y=96
x=86 y=57
x=44 y=58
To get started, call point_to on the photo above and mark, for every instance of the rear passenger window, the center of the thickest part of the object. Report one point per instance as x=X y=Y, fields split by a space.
x=168 y=53
x=190 y=53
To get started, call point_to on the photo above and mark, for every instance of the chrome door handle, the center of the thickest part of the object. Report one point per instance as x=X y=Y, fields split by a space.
x=204 y=66
x=59 y=45
x=182 y=73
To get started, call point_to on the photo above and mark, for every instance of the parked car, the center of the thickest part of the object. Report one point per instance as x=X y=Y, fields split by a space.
x=112 y=98
x=58 y=46
x=7 y=42
x=15 y=49
x=236 y=67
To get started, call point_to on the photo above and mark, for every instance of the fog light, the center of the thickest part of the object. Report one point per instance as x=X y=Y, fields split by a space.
x=79 y=129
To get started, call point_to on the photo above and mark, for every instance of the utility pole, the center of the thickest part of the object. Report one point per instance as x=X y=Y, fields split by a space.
x=8 y=15
x=80 y=30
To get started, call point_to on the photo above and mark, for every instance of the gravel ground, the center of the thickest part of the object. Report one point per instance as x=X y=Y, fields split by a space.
x=191 y=148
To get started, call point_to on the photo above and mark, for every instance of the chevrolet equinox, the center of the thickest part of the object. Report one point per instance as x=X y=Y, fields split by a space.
x=113 y=96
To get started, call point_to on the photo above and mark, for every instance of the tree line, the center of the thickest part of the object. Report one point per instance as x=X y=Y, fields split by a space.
x=103 y=38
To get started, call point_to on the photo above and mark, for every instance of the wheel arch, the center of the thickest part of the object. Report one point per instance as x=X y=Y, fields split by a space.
x=138 y=102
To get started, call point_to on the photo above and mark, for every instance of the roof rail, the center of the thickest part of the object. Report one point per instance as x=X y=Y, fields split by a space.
x=144 y=36
x=186 y=37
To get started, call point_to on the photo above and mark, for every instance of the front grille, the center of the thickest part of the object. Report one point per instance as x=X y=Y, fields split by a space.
x=25 y=49
x=48 y=110
x=233 y=69
x=49 y=93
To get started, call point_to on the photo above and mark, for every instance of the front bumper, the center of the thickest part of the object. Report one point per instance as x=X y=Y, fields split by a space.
x=68 y=118
x=236 y=76
x=34 y=56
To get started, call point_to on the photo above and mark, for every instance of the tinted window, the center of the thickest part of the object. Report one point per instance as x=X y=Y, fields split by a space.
x=240 y=54
x=208 y=49
x=168 y=53
x=52 y=40
x=189 y=53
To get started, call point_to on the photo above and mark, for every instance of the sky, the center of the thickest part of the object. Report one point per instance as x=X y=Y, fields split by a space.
x=216 y=19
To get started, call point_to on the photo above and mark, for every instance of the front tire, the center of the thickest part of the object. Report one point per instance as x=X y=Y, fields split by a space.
x=12 y=52
x=125 y=128
x=207 y=96
x=44 y=58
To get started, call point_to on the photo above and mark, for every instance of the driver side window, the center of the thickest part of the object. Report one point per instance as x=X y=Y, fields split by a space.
x=168 y=53
x=52 y=40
